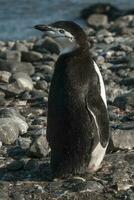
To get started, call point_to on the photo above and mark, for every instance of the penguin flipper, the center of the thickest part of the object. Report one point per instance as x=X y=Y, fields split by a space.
x=97 y=108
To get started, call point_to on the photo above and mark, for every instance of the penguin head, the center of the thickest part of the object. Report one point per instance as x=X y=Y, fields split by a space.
x=67 y=34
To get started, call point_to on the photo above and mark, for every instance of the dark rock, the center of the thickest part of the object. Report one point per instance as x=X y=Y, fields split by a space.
x=23 y=81
x=124 y=101
x=39 y=147
x=47 y=69
x=25 y=95
x=37 y=94
x=42 y=85
x=101 y=8
x=31 y=164
x=38 y=132
x=97 y=20
x=127 y=82
x=12 y=66
x=15 y=165
x=123 y=139
x=31 y=56
x=48 y=43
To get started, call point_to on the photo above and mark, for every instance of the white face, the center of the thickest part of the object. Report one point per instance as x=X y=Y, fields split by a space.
x=64 y=39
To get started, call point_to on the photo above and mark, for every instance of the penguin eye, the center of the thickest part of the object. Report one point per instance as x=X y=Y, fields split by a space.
x=61 y=31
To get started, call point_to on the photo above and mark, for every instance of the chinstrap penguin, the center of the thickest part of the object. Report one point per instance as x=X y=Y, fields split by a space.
x=78 y=123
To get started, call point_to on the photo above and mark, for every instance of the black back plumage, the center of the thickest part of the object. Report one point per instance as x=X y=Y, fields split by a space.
x=71 y=128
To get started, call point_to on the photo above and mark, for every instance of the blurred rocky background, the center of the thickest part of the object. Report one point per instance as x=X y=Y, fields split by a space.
x=26 y=69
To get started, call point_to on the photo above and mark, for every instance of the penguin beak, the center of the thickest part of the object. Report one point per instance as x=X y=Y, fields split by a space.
x=43 y=28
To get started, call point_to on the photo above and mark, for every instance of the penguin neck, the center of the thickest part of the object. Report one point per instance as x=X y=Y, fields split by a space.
x=81 y=50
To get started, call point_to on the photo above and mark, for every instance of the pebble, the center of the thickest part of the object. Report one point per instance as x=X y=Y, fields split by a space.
x=23 y=81
x=12 y=66
x=4 y=76
x=20 y=47
x=97 y=20
x=31 y=56
x=50 y=45
x=13 y=55
x=39 y=147
x=8 y=131
x=24 y=143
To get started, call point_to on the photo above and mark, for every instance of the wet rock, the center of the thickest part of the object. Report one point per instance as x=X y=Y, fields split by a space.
x=13 y=55
x=39 y=147
x=23 y=81
x=4 y=76
x=98 y=20
x=31 y=56
x=12 y=66
x=123 y=139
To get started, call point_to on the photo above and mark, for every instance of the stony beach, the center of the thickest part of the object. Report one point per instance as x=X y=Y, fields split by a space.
x=26 y=69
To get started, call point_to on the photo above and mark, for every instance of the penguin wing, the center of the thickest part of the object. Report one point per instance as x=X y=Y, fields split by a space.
x=96 y=107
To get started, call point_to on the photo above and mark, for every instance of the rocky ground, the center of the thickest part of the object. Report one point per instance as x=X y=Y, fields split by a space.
x=26 y=69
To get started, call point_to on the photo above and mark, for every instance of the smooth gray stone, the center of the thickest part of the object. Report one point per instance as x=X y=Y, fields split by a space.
x=39 y=147
x=23 y=81
x=31 y=56
x=14 y=66
x=97 y=20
